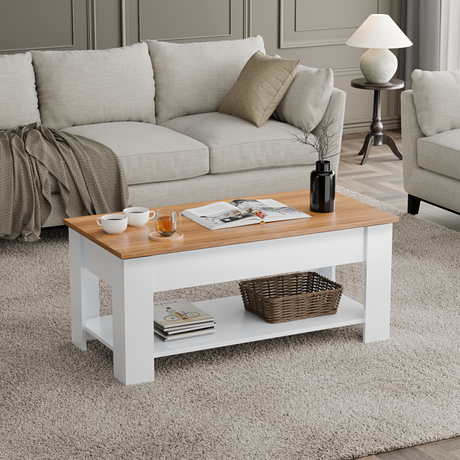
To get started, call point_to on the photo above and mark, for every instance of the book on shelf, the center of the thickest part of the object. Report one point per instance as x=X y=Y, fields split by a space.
x=177 y=319
x=167 y=337
x=190 y=327
x=241 y=212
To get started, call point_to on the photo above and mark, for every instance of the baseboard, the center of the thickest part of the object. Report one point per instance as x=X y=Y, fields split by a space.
x=364 y=126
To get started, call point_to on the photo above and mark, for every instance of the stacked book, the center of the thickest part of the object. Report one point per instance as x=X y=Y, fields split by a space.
x=180 y=319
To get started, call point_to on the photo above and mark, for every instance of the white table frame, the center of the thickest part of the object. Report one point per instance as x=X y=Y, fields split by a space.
x=129 y=330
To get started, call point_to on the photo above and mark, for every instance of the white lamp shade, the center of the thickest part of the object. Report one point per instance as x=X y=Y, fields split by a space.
x=379 y=31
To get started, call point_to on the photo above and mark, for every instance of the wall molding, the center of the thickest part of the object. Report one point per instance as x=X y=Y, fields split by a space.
x=347 y=72
x=247 y=18
x=91 y=24
x=124 y=23
x=390 y=122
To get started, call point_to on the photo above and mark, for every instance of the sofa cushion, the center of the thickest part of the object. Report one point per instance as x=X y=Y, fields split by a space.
x=260 y=87
x=194 y=78
x=95 y=86
x=440 y=153
x=437 y=100
x=149 y=153
x=307 y=98
x=18 y=96
x=236 y=145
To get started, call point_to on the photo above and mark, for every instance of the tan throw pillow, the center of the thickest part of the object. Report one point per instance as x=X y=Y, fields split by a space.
x=259 y=89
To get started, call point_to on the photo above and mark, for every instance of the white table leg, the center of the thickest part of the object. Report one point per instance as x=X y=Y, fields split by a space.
x=84 y=291
x=377 y=291
x=132 y=300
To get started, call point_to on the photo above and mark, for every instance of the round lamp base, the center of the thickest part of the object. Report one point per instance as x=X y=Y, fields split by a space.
x=378 y=65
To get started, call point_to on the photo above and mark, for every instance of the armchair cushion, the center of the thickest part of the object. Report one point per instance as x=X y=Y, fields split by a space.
x=440 y=153
x=437 y=100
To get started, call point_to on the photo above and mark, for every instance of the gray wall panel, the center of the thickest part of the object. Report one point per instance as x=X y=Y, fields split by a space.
x=43 y=24
x=332 y=15
x=170 y=19
x=108 y=30
x=185 y=20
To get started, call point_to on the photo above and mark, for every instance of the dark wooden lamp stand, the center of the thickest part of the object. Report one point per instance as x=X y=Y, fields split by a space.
x=376 y=136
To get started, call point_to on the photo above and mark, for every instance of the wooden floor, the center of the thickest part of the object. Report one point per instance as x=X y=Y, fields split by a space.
x=441 y=450
x=381 y=178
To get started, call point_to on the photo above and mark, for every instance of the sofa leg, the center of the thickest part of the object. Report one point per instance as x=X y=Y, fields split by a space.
x=413 y=204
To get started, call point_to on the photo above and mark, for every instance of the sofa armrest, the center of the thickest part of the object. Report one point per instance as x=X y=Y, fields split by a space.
x=411 y=132
x=335 y=111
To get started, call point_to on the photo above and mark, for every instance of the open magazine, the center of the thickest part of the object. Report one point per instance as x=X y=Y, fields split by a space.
x=241 y=212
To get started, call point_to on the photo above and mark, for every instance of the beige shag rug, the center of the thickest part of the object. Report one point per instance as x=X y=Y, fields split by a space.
x=318 y=396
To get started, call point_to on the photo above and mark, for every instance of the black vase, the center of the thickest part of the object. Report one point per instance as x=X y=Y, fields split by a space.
x=322 y=188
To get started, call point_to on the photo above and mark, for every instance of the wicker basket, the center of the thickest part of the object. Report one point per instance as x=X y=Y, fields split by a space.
x=290 y=297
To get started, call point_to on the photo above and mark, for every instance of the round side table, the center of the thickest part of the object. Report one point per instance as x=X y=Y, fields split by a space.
x=376 y=136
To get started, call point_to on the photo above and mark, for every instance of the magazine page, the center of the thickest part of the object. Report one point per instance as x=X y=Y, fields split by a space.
x=269 y=210
x=220 y=215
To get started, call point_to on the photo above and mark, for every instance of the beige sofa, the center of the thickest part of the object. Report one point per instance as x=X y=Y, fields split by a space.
x=430 y=119
x=155 y=104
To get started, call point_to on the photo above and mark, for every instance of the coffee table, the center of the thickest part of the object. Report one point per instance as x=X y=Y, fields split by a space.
x=137 y=267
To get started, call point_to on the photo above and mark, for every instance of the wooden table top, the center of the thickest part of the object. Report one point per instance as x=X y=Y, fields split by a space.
x=362 y=83
x=134 y=242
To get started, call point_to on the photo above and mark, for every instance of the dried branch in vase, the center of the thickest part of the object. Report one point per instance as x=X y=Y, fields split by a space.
x=323 y=142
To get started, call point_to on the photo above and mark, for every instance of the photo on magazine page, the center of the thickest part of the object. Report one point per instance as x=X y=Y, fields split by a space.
x=227 y=216
x=266 y=208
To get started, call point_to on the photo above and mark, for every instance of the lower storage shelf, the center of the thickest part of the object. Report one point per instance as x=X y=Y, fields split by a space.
x=235 y=325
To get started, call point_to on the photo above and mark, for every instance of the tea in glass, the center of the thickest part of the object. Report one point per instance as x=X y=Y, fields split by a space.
x=167 y=221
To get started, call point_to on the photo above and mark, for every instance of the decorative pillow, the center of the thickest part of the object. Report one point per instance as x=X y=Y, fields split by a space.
x=437 y=100
x=306 y=100
x=193 y=78
x=260 y=87
x=95 y=86
x=18 y=96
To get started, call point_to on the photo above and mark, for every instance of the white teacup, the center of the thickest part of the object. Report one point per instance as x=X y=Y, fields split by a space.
x=113 y=223
x=137 y=217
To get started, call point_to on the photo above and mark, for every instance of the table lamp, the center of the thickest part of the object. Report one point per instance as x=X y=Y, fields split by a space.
x=378 y=33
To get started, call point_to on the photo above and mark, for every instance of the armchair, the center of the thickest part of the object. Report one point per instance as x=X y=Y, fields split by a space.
x=430 y=119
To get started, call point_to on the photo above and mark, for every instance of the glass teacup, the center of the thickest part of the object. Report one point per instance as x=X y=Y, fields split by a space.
x=167 y=221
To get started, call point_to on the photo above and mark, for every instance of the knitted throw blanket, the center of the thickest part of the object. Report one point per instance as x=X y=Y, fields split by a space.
x=90 y=176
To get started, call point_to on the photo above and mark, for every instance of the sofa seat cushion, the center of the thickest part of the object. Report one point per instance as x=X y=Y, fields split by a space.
x=18 y=96
x=149 y=153
x=440 y=153
x=237 y=145
x=95 y=86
